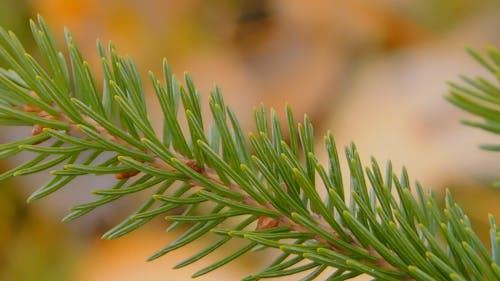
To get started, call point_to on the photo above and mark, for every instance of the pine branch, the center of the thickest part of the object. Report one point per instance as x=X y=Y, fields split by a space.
x=481 y=97
x=270 y=182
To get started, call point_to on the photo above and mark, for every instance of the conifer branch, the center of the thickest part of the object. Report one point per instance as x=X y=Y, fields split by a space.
x=481 y=97
x=378 y=227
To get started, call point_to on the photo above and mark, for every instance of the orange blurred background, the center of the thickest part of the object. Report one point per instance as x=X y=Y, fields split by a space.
x=373 y=72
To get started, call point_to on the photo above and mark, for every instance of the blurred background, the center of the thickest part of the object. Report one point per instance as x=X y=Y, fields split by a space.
x=372 y=72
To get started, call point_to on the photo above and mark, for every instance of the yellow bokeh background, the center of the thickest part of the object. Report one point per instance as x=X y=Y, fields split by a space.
x=373 y=72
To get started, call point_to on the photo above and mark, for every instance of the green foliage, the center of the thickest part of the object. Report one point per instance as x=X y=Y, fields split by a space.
x=480 y=96
x=382 y=225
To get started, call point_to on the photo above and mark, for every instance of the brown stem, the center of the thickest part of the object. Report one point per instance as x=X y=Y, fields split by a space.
x=262 y=223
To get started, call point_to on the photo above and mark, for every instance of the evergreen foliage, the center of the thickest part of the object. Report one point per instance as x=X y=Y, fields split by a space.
x=481 y=97
x=380 y=224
